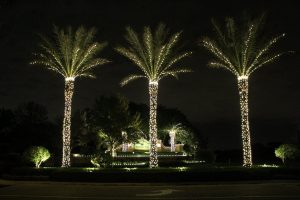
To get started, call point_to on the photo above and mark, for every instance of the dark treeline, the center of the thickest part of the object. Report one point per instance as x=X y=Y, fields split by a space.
x=29 y=125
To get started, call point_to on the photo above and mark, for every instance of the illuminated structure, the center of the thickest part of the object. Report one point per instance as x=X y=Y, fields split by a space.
x=173 y=131
x=142 y=145
x=172 y=135
x=125 y=142
x=70 y=54
x=238 y=50
x=156 y=55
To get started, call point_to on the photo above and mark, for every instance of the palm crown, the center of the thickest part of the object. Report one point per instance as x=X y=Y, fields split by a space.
x=154 y=53
x=71 y=54
x=238 y=50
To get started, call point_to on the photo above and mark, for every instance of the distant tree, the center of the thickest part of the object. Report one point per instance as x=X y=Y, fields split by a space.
x=157 y=55
x=7 y=119
x=240 y=49
x=167 y=117
x=287 y=151
x=32 y=127
x=176 y=133
x=31 y=112
x=143 y=111
x=72 y=54
x=109 y=118
x=85 y=138
x=37 y=155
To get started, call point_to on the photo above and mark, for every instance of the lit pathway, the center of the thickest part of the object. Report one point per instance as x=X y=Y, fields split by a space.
x=202 y=191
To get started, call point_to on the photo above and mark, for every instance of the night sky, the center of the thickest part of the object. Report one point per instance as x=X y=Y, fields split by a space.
x=208 y=97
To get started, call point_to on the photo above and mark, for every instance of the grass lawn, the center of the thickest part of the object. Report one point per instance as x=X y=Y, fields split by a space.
x=162 y=174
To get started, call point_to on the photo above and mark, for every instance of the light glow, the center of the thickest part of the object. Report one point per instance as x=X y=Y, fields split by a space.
x=128 y=169
x=182 y=169
x=70 y=79
x=242 y=77
x=269 y=166
x=153 y=83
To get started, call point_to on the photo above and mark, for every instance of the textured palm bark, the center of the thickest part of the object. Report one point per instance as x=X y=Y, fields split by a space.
x=69 y=89
x=246 y=139
x=153 y=91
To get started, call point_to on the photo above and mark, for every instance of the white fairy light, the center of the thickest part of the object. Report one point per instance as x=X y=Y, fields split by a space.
x=246 y=139
x=153 y=91
x=70 y=78
x=242 y=78
x=69 y=88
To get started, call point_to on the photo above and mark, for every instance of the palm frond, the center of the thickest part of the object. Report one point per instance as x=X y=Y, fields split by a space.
x=70 y=53
x=175 y=72
x=131 y=78
x=154 y=52
x=239 y=48
x=263 y=52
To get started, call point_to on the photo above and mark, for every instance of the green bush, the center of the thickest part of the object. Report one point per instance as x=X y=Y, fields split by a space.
x=36 y=155
x=287 y=151
x=102 y=160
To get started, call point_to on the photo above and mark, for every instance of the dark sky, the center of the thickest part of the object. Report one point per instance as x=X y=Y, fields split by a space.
x=208 y=97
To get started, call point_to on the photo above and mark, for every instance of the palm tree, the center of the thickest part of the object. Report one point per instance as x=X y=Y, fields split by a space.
x=71 y=54
x=156 y=54
x=240 y=50
x=176 y=131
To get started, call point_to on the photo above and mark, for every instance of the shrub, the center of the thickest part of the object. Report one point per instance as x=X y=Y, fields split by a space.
x=36 y=155
x=286 y=151
x=102 y=160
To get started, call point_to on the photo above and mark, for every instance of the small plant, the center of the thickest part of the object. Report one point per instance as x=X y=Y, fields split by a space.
x=102 y=160
x=37 y=155
x=286 y=151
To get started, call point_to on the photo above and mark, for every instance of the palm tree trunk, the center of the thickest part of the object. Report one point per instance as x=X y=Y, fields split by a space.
x=153 y=91
x=246 y=139
x=69 y=89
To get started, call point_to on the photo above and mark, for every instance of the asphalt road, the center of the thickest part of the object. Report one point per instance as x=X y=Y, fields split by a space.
x=27 y=190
